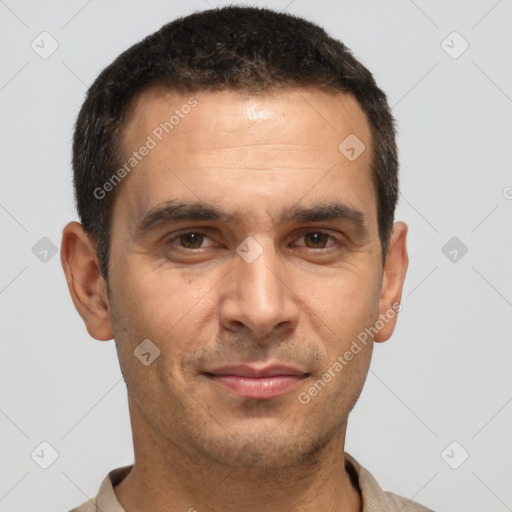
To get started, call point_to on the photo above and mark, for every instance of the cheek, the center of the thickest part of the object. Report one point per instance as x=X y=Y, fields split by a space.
x=157 y=303
x=347 y=301
x=161 y=307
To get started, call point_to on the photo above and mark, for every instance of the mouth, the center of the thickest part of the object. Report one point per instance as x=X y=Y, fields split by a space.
x=257 y=383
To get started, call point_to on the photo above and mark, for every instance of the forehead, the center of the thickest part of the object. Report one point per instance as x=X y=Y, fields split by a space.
x=286 y=115
x=232 y=147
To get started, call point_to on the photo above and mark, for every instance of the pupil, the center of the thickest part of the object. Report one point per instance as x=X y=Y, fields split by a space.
x=191 y=239
x=317 y=238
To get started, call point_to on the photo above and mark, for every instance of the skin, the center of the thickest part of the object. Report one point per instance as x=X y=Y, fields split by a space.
x=196 y=444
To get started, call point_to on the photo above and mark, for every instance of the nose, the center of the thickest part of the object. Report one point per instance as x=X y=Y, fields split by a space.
x=259 y=299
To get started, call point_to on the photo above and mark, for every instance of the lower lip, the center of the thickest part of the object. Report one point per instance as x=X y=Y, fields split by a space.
x=258 y=387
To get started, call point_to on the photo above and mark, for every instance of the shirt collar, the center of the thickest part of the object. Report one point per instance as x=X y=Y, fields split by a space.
x=373 y=497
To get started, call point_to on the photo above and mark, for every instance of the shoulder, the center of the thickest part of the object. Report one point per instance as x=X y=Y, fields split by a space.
x=397 y=503
x=88 y=506
x=375 y=499
x=106 y=500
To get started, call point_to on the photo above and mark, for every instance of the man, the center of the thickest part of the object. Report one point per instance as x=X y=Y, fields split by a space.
x=236 y=178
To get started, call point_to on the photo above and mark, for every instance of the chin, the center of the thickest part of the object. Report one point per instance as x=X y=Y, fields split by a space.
x=271 y=448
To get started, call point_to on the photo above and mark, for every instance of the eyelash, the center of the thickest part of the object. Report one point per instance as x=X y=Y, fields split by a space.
x=327 y=250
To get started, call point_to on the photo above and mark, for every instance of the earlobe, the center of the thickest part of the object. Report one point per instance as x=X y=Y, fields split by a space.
x=85 y=283
x=395 y=269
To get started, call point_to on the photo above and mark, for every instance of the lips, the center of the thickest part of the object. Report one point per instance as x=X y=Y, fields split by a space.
x=258 y=383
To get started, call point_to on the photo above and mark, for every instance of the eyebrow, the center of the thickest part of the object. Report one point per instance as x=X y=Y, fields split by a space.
x=175 y=211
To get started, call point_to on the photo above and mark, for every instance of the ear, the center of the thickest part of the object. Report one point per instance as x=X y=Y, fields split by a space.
x=85 y=282
x=395 y=268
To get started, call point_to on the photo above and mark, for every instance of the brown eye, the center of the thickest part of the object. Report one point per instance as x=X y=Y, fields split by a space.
x=191 y=240
x=317 y=239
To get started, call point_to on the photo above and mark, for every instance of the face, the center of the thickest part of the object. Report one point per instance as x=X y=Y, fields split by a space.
x=245 y=247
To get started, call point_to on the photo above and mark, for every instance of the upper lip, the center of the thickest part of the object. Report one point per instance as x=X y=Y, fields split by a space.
x=244 y=370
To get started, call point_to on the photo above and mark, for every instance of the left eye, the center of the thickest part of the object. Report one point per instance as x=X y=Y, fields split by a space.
x=191 y=239
x=318 y=239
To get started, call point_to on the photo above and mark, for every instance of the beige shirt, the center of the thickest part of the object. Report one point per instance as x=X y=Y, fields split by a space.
x=374 y=498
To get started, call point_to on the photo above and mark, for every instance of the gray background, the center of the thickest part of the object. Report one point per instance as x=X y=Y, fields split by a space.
x=443 y=377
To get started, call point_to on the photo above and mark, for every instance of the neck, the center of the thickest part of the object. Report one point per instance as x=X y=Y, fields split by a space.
x=166 y=473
